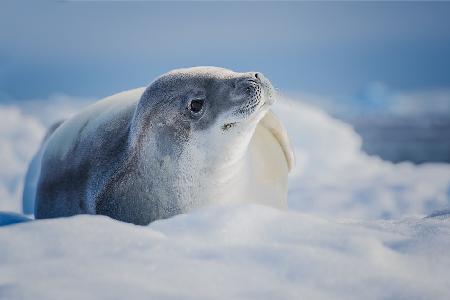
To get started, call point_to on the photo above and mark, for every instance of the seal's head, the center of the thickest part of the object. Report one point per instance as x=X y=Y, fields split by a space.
x=195 y=125
x=218 y=102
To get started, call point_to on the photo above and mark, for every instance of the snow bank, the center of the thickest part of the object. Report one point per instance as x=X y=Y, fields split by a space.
x=236 y=252
x=22 y=128
x=20 y=136
x=333 y=177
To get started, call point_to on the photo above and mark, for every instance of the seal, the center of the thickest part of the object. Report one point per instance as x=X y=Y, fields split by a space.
x=195 y=136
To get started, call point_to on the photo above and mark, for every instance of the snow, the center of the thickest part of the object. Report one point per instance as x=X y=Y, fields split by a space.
x=332 y=243
x=334 y=178
x=226 y=252
x=20 y=136
x=22 y=127
x=411 y=125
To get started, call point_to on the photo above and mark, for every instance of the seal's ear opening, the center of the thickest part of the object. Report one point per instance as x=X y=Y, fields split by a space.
x=273 y=125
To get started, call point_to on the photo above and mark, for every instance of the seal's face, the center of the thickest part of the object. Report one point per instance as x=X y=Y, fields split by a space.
x=195 y=125
x=212 y=110
x=251 y=95
x=210 y=97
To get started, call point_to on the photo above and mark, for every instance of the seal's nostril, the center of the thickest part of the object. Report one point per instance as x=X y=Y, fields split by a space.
x=256 y=75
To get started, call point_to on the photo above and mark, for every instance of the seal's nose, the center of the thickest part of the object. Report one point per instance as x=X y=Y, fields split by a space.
x=254 y=76
x=252 y=79
x=251 y=85
x=247 y=81
x=259 y=77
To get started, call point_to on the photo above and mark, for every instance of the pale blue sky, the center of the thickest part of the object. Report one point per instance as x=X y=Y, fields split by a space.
x=98 y=48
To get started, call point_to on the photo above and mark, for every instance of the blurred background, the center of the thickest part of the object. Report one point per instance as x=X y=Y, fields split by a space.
x=383 y=67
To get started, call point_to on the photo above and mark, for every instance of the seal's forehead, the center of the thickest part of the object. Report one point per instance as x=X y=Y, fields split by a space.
x=201 y=73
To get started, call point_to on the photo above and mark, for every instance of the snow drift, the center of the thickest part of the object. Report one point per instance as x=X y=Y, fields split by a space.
x=333 y=177
x=236 y=252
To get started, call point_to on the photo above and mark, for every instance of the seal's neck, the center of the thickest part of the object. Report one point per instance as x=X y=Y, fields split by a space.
x=186 y=174
x=220 y=162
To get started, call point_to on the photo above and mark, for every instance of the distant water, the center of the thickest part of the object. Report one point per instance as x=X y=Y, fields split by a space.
x=414 y=138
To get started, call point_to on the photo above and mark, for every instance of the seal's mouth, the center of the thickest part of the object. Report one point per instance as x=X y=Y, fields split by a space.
x=258 y=95
x=249 y=108
x=246 y=112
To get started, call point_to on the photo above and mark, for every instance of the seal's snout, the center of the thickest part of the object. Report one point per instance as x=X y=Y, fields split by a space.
x=253 y=93
x=248 y=88
x=251 y=84
x=255 y=85
x=269 y=91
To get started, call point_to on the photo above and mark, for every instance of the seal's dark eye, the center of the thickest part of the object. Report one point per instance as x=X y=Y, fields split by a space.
x=196 y=105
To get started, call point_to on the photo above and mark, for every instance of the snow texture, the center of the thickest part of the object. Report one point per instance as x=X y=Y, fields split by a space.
x=226 y=252
x=22 y=127
x=316 y=250
x=334 y=178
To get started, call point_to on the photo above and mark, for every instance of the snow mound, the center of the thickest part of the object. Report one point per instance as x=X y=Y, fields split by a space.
x=22 y=127
x=20 y=136
x=226 y=252
x=335 y=178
